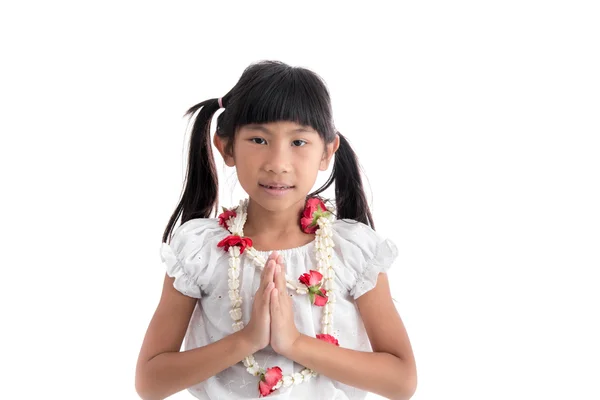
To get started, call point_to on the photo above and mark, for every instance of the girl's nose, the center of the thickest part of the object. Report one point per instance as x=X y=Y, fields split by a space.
x=278 y=160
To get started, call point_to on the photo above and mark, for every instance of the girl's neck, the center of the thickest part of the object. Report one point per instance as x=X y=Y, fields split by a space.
x=280 y=229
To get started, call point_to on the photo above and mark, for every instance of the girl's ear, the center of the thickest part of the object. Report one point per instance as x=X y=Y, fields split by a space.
x=220 y=145
x=330 y=149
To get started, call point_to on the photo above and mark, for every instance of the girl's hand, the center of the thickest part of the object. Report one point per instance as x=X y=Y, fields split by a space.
x=258 y=330
x=283 y=329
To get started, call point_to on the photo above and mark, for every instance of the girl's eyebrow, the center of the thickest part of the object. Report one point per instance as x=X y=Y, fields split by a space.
x=262 y=128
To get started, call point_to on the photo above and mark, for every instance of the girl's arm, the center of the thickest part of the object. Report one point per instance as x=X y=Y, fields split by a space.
x=162 y=369
x=389 y=370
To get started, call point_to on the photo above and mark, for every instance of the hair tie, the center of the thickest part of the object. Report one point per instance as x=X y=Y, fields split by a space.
x=220 y=102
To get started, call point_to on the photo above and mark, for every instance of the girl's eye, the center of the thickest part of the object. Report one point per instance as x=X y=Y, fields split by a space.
x=302 y=142
x=258 y=140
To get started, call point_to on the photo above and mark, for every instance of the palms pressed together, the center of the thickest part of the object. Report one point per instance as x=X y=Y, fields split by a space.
x=272 y=321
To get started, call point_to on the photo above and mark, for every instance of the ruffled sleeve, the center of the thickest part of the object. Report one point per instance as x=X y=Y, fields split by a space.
x=363 y=253
x=193 y=255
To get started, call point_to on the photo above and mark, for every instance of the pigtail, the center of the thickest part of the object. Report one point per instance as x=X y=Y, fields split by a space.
x=350 y=198
x=201 y=191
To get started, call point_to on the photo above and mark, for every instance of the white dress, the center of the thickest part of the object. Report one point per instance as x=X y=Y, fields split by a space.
x=200 y=270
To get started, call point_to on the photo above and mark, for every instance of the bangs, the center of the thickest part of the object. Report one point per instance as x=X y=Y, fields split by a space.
x=290 y=95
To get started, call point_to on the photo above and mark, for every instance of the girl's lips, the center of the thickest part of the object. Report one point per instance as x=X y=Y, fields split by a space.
x=276 y=191
x=276 y=185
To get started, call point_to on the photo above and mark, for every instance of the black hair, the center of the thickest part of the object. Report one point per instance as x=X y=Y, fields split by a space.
x=268 y=91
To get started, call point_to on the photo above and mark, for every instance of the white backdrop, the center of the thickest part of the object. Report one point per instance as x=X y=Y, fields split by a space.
x=476 y=123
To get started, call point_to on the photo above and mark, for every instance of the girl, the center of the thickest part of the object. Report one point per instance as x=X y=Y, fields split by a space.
x=313 y=320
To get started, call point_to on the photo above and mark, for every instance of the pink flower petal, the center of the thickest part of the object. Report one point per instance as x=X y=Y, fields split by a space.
x=273 y=375
x=264 y=389
x=328 y=338
x=321 y=299
x=315 y=278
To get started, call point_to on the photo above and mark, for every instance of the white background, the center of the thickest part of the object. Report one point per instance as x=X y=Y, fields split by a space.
x=476 y=123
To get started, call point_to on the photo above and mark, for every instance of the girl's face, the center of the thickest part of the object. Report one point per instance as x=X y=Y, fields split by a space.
x=277 y=163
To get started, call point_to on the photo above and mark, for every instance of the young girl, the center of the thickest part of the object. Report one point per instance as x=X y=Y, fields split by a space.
x=281 y=295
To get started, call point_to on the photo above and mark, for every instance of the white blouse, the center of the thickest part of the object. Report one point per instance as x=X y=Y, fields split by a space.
x=200 y=271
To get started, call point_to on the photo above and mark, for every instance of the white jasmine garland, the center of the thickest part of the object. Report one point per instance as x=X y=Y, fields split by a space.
x=323 y=252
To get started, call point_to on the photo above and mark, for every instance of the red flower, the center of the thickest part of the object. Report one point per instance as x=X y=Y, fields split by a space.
x=312 y=279
x=320 y=299
x=313 y=210
x=318 y=295
x=225 y=215
x=268 y=380
x=328 y=338
x=235 y=240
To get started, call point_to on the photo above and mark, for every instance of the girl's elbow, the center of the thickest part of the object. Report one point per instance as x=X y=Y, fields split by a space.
x=403 y=394
x=405 y=388
x=408 y=394
x=407 y=391
x=144 y=388
x=146 y=394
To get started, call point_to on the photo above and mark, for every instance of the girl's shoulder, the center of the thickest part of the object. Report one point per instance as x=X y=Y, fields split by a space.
x=363 y=252
x=351 y=234
x=196 y=226
x=192 y=254
x=197 y=234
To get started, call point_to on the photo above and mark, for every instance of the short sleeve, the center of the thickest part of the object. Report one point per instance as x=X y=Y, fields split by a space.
x=364 y=254
x=192 y=255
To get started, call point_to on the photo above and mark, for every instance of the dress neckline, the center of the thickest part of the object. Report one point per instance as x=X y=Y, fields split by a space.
x=284 y=252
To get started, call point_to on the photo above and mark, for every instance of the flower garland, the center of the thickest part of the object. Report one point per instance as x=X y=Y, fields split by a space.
x=316 y=218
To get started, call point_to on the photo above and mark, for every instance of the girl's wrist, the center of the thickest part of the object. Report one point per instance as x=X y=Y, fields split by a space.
x=246 y=341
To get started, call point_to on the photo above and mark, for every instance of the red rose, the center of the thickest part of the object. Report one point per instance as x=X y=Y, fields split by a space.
x=318 y=295
x=320 y=299
x=312 y=279
x=268 y=380
x=313 y=210
x=235 y=240
x=225 y=215
x=328 y=338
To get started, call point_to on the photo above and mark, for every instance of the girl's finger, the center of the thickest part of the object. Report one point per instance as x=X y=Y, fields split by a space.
x=267 y=263
x=265 y=270
x=267 y=292
x=268 y=273
x=281 y=277
x=271 y=271
x=275 y=300
x=277 y=277
x=282 y=284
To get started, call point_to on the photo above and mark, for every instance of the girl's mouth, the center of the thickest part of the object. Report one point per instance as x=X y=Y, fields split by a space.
x=276 y=190
x=276 y=186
